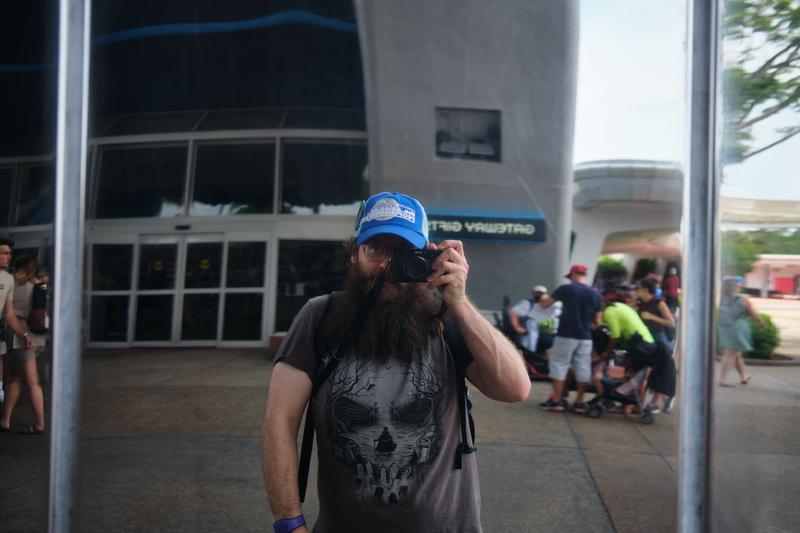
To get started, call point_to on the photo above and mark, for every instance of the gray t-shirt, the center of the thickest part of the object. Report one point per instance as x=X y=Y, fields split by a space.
x=387 y=435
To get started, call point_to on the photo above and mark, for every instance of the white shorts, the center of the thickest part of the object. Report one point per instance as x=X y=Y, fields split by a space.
x=575 y=352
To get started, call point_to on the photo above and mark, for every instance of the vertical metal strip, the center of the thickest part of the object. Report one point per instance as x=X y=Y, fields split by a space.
x=700 y=203
x=71 y=135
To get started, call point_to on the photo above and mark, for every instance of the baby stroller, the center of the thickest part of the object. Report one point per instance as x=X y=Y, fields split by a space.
x=622 y=367
x=535 y=362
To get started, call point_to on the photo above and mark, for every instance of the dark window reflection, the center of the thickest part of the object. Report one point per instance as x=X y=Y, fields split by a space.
x=109 y=322
x=35 y=195
x=154 y=317
x=242 y=317
x=234 y=179
x=200 y=317
x=323 y=177
x=6 y=180
x=152 y=123
x=157 y=266
x=306 y=269
x=111 y=267
x=468 y=134
x=203 y=265
x=246 y=264
x=141 y=181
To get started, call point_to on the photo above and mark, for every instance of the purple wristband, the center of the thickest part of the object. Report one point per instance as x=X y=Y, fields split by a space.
x=286 y=525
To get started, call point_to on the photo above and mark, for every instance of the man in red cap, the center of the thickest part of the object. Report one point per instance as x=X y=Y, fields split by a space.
x=573 y=343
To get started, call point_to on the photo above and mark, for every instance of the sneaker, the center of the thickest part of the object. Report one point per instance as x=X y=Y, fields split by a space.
x=556 y=407
x=652 y=408
x=668 y=404
x=579 y=408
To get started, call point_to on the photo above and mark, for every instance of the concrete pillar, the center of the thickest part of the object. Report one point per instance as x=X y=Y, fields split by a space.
x=516 y=57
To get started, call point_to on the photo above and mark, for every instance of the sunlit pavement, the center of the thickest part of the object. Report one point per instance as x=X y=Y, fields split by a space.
x=170 y=443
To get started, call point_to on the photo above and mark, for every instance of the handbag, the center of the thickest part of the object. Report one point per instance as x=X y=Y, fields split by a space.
x=37 y=318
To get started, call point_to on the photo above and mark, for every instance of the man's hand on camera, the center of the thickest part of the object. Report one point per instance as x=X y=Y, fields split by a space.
x=450 y=272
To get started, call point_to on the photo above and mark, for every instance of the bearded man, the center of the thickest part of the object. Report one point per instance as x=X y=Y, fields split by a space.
x=387 y=417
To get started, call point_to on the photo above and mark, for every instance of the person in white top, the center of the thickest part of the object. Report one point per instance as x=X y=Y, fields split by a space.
x=21 y=359
x=6 y=304
x=535 y=323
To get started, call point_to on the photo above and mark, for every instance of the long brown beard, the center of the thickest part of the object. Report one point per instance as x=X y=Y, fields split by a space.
x=400 y=322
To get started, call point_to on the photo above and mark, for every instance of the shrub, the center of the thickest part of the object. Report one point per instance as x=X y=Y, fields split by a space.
x=610 y=268
x=765 y=338
x=644 y=267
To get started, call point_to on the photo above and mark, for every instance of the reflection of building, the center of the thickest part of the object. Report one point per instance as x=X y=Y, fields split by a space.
x=226 y=163
x=772 y=274
x=630 y=207
x=775 y=274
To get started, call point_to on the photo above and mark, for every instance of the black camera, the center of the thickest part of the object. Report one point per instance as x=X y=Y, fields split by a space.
x=412 y=265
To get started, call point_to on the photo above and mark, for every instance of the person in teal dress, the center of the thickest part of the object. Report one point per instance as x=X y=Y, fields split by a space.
x=735 y=336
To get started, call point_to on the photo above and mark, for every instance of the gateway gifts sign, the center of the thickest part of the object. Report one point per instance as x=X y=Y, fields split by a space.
x=485 y=228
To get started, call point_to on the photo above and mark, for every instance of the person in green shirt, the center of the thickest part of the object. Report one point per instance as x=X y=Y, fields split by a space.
x=628 y=330
x=623 y=323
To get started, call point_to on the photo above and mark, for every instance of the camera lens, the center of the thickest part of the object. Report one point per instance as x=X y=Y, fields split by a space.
x=416 y=268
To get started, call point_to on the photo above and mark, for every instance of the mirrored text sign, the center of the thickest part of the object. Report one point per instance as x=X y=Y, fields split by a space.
x=486 y=228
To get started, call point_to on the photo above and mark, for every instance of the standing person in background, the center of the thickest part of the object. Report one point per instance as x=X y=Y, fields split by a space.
x=655 y=313
x=735 y=336
x=24 y=350
x=672 y=289
x=573 y=343
x=7 y=304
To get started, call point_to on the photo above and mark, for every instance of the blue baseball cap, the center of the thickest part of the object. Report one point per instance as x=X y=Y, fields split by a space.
x=393 y=213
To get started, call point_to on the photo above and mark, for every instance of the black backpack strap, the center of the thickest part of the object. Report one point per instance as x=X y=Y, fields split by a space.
x=308 y=428
x=464 y=403
x=348 y=339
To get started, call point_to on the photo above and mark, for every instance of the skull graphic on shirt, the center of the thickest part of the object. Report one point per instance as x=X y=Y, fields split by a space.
x=384 y=422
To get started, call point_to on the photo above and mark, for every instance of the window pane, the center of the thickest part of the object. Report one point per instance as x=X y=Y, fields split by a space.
x=468 y=134
x=242 y=317
x=323 y=177
x=157 y=266
x=154 y=317
x=109 y=319
x=6 y=176
x=111 y=269
x=246 y=264
x=203 y=264
x=306 y=269
x=141 y=181
x=234 y=179
x=200 y=316
x=35 y=195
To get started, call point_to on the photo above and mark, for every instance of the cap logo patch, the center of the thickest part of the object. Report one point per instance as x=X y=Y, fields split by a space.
x=387 y=209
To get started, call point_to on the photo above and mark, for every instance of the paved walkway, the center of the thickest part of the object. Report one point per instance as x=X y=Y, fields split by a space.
x=170 y=443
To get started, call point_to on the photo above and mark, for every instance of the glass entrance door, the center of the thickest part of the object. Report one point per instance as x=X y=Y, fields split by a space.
x=202 y=289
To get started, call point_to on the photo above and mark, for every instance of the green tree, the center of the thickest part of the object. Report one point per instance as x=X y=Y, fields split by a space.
x=738 y=253
x=764 y=79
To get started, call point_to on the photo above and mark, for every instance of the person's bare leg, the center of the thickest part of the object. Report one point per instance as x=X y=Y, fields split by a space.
x=13 y=387
x=35 y=392
x=558 y=388
x=580 y=387
x=598 y=384
x=739 y=362
x=728 y=360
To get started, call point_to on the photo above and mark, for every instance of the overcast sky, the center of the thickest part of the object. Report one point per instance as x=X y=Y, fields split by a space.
x=631 y=96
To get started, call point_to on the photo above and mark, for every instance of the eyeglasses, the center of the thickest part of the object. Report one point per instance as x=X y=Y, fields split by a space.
x=376 y=251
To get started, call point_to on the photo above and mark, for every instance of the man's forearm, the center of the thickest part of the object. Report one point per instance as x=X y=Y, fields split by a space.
x=500 y=371
x=279 y=462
